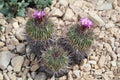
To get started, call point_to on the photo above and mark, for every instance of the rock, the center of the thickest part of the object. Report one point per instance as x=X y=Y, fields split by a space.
x=5 y=57
x=12 y=76
x=96 y=19
x=15 y=25
x=118 y=3
x=2 y=44
x=34 y=67
x=70 y=1
x=9 y=68
x=77 y=73
x=30 y=79
x=63 y=78
x=113 y=63
x=2 y=38
x=68 y=15
x=26 y=63
x=113 y=55
x=21 y=20
x=92 y=62
x=47 y=10
x=98 y=72
x=70 y=75
x=1 y=16
x=109 y=24
x=21 y=48
x=3 y=22
x=102 y=34
x=20 y=34
x=11 y=43
x=56 y=12
x=6 y=77
x=17 y=63
x=108 y=47
x=101 y=61
x=19 y=78
x=1 y=76
x=76 y=67
x=86 y=67
x=63 y=2
x=118 y=50
x=104 y=6
x=40 y=76
x=8 y=28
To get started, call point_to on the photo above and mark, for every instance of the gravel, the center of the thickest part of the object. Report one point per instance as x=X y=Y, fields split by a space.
x=103 y=63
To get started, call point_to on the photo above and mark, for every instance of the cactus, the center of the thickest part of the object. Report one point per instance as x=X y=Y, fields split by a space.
x=80 y=37
x=39 y=28
x=55 y=58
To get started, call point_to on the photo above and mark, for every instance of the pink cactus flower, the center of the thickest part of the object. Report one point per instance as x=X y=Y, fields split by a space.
x=38 y=14
x=86 y=23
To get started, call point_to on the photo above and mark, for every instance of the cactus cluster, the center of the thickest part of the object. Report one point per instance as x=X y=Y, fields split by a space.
x=55 y=58
x=79 y=37
x=39 y=28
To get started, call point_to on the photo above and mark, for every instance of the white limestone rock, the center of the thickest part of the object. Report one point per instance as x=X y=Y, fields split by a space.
x=96 y=19
x=5 y=57
x=17 y=63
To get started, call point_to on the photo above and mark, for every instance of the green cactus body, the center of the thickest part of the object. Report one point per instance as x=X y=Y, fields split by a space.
x=78 y=39
x=38 y=31
x=55 y=58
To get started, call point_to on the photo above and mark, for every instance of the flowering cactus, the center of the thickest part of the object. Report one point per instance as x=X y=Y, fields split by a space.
x=55 y=58
x=38 y=28
x=81 y=36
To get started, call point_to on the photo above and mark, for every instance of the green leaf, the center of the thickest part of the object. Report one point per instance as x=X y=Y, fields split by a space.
x=1 y=4
x=14 y=1
x=21 y=12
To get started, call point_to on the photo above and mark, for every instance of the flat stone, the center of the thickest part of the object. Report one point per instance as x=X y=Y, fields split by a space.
x=63 y=2
x=85 y=67
x=9 y=68
x=68 y=15
x=2 y=44
x=34 y=67
x=15 y=25
x=76 y=73
x=102 y=35
x=108 y=47
x=1 y=76
x=113 y=63
x=56 y=12
x=98 y=72
x=21 y=48
x=21 y=19
x=20 y=34
x=5 y=57
x=104 y=6
x=109 y=24
x=11 y=75
x=63 y=78
x=101 y=61
x=70 y=1
x=6 y=77
x=96 y=19
x=118 y=50
x=118 y=3
x=70 y=75
x=92 y=62
x=40 y=76
x=17 y=63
